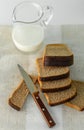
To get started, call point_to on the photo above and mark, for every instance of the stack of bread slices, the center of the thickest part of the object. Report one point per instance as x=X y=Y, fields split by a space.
x=54 y=74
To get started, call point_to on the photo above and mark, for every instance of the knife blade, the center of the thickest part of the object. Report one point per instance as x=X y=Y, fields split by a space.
x=36 y=97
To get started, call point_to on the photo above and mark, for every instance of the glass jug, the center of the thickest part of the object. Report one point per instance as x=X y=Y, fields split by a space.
x=29 y=22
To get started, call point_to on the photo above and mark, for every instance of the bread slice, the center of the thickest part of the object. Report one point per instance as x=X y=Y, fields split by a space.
x=49 y=73
x=61 y=97
x=57 y=55
x=19 y=95
x=78 y=101
x=56 y=85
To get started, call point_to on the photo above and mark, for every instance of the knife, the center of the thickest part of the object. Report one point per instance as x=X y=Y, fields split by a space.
x=36 y=97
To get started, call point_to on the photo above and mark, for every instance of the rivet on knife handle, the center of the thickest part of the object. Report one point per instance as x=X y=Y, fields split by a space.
x=43 y=109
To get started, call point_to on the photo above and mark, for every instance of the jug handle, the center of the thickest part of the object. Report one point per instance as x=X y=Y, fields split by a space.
x=47 y=15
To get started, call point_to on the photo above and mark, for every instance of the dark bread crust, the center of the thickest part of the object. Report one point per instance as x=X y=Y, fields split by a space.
x=61 y=102
x=54 y=77
x=55 y=89
x=13 y=105
x=58 y=61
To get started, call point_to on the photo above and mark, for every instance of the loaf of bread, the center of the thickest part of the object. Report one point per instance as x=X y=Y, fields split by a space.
x=55 y=85
x=78 y=101
x=49 y=73
x=57 y=55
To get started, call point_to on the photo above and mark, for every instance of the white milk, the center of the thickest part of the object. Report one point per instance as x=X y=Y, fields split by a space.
x=27 y=37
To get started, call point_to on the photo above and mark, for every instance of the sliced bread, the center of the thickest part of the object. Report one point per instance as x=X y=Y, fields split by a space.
x=19 y=95
x=49 y=73
x=55 y=85
x=61 y=97
x=78 y=101
x=57 y=55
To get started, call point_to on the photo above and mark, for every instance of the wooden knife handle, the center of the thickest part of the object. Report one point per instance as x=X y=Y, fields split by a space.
x=43 y=110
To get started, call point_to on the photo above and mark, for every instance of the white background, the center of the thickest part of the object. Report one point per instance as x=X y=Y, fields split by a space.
x=65 y=11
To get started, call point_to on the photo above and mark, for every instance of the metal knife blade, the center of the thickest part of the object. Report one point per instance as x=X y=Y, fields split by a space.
x=27 y=80
x=36 y=97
